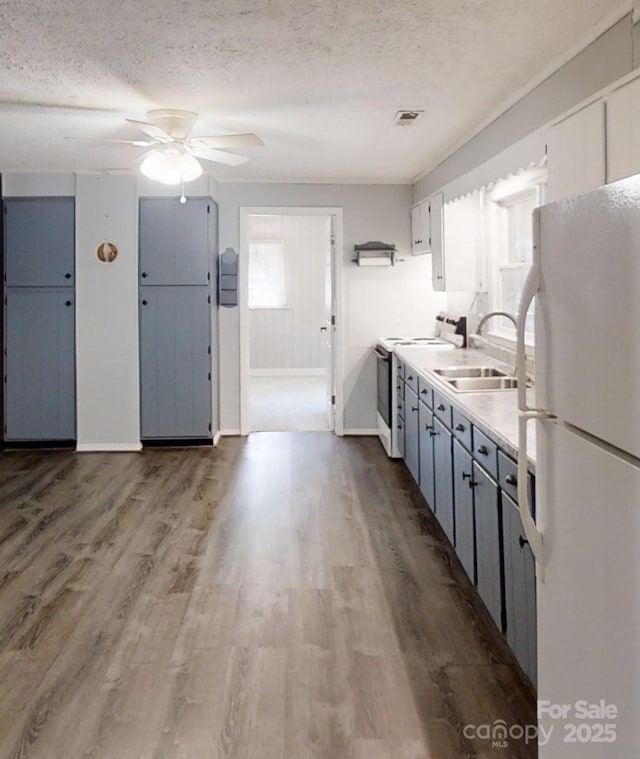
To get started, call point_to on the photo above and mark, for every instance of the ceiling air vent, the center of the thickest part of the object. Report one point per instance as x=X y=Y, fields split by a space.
x=406 y=118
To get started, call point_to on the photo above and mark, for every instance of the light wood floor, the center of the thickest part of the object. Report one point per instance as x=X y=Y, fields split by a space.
x=283 y=597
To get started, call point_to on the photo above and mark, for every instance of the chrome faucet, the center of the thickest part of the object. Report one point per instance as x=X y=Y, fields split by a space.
x=490 y=315
x=507 y=315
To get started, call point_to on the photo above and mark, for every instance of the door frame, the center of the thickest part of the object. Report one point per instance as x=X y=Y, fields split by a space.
x=337 y=343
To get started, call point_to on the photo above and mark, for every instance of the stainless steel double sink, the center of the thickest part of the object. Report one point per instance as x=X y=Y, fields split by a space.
x=476 y=379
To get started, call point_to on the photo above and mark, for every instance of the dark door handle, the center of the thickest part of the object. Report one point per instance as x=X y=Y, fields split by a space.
x=67 y=303
x=323 y=329
x=511 y=479
x=424 y=392
x=144 y=275
x=414 y=408
x=410 y=378
x=144 y=302
x=441 y=407
x=67 y=276
x=433 y=434
x=483 y=450
x=473 y=484
x=460 y=427
x=428 y=427
x=466 y=476
x=523 y=541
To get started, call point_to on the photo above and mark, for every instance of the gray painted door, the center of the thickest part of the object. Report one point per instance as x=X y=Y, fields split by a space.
x=465 y=516
x=427 y=474
x=175 y=241
x=412 y=443
x=520 y=590
x=443 y=464
x=175 y=364
x=40 y=364
x=487 y=509
x=40 y=242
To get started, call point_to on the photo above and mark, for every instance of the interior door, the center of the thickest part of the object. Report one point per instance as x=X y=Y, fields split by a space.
x=328 y=328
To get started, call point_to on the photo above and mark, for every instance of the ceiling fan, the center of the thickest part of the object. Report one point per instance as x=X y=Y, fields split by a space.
x=175 y=153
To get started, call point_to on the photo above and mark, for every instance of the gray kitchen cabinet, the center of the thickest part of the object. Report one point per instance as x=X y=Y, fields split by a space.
x=411 y=434
x=175 y=362
x=464 y=509
x=176 y=241
x=40 y=364
x=427 y=471
x=520 y=590
x=443 y=465
x=39 y=240
x=488 y=559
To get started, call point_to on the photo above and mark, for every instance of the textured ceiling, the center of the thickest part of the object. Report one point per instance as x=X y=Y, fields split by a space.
x=319 y=81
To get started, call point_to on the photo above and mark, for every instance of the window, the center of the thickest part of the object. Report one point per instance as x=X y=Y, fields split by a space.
x=267 y=280
x=510 y=207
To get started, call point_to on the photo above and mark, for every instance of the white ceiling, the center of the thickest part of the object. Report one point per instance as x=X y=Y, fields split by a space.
x=319 y=81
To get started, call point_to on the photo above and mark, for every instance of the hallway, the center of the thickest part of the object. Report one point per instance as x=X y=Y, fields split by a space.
x=282 y=597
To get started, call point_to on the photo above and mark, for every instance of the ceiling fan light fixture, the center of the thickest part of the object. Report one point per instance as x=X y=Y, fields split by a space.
x=171 y=166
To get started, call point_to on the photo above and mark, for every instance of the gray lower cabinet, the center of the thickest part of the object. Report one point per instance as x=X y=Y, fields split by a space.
x=40 y=364
x=520 y=590
x=487 y=514
x=175 y=241
x=411 y=434
x=443 y=478
x=464 y=509
x=427 y=472
x=39 y=239
x=175 y=362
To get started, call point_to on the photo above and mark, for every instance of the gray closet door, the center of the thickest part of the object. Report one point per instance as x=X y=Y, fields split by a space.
x=40 y=242
x=488 y=542
x=174 y=241
x=40 y=364
x=175 y=364
x=465 y=517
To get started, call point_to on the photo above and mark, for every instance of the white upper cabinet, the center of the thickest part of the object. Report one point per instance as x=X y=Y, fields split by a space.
x=623 y=132
x=420 y=228
x=460 y=262
x=576 y=153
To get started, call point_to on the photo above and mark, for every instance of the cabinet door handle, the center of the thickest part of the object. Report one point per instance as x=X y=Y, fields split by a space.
x=473 y=484
x=67 y=276
x=144 y=275
x=67 y=303
x=466 y=476
x=441 y=407
x=433 y=434
x=414 y=408
x=424 y=392
x=410 y=378
x=460 y=427
x=523 y=541
x=483 y=450
x=399 y=426
x=511 y=479
x=428 y=427
x=144 y=302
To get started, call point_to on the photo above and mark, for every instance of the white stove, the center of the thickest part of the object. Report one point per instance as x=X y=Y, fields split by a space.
x=450 y=334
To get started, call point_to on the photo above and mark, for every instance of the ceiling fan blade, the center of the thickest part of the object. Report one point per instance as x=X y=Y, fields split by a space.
x=137 y=143
x=151 y=130
x=218 y=156
x=227 y=141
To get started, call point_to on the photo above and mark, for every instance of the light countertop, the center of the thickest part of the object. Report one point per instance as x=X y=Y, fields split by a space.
x=495 y=412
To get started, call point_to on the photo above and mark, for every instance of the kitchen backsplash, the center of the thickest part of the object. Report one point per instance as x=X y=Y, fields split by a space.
x=501 y=352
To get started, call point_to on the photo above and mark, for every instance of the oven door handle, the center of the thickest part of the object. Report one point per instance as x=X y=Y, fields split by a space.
x=382 y=356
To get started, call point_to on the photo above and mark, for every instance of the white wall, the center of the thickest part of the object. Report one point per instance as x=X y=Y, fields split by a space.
x=376 y=301
x=107 y=314
x=290 y=338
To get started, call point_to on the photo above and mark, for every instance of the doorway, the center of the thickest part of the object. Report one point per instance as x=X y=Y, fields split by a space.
x=288 y=319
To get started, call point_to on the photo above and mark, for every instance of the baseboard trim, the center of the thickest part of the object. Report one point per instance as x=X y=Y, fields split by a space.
x=288 y=372
x=230 y=433
x=216 y=438
x=109 y=447
x=363 y=431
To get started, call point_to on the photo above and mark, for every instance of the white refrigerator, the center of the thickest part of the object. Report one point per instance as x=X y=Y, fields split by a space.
x=585 y=282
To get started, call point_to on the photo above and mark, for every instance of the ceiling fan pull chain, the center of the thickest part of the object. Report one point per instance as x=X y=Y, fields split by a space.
x=183 y=197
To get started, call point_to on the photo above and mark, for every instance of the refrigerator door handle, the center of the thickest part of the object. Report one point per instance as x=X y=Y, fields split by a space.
x=534 y=536
x=531 y=287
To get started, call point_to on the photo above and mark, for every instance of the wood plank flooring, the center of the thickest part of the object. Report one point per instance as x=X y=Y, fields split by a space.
x=281 y=597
